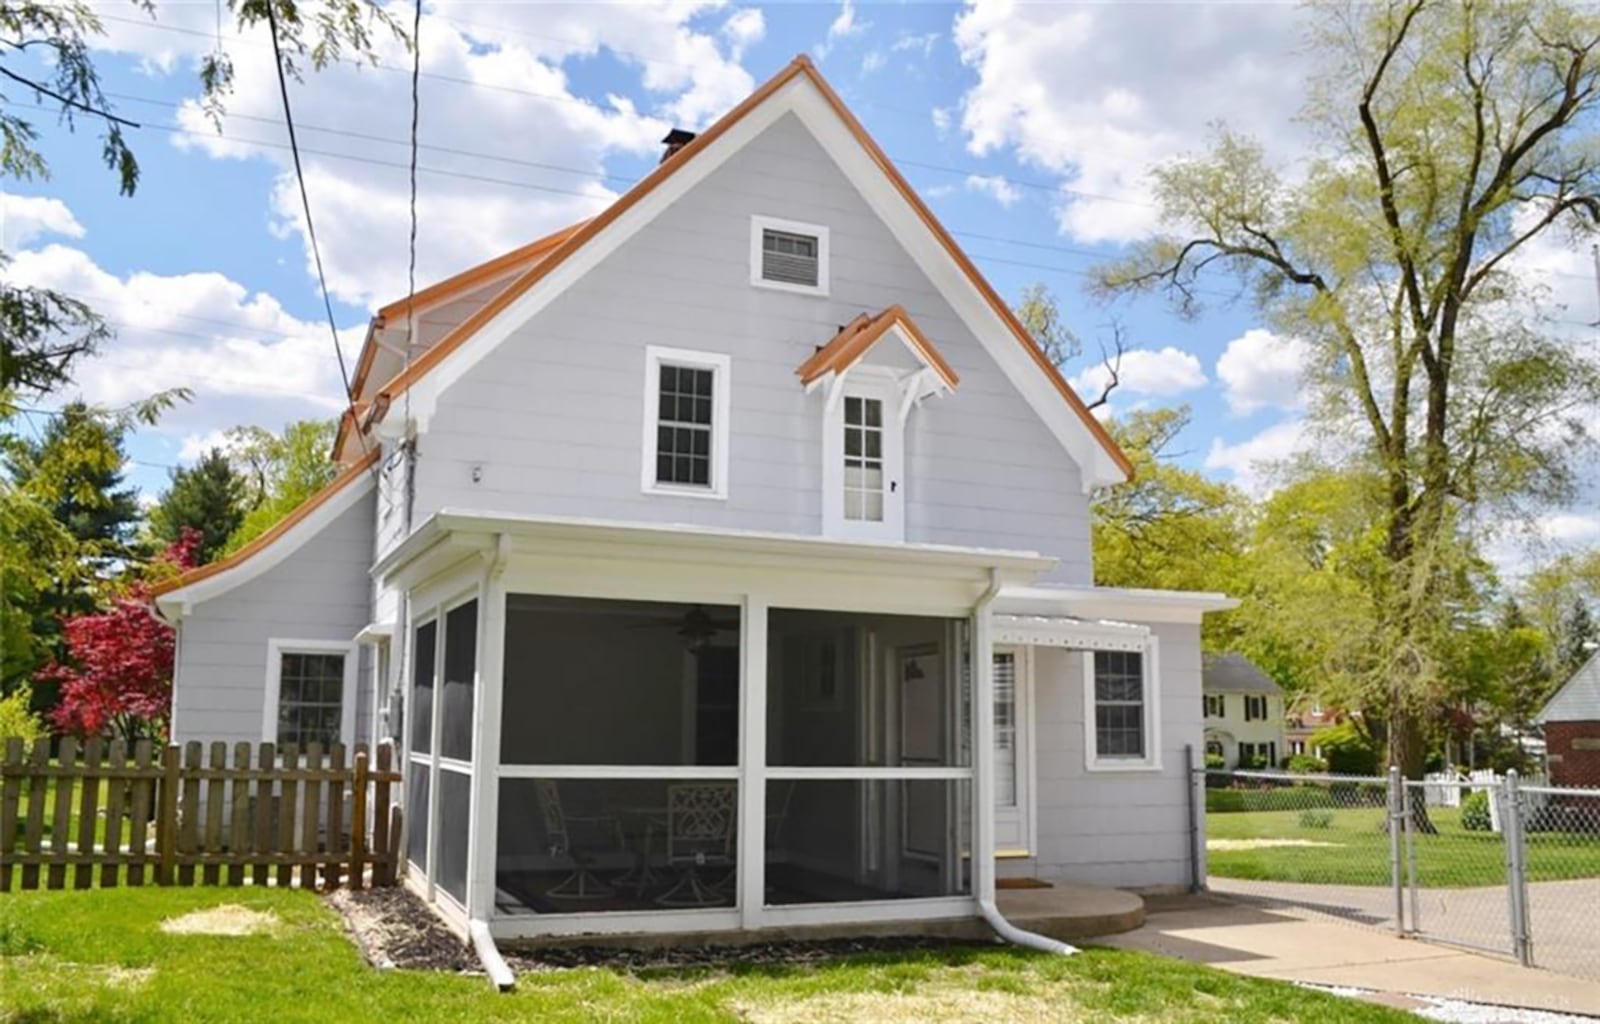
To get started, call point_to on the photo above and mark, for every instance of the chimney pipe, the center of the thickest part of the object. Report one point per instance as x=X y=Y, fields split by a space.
x=675 y=140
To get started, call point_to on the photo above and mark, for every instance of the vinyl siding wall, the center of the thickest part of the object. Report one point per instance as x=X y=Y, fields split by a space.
x=553 y=417
x=1112 y=828
x=320 y=592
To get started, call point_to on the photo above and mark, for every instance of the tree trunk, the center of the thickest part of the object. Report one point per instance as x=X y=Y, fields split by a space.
x=1406 y=750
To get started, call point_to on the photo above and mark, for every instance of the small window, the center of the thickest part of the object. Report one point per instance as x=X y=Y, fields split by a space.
x=788 y=255
x=686 y=423
x=1005 y=729
x=310 y=693
x=1120 y=715
x=1216 y=706
x=1255 y=709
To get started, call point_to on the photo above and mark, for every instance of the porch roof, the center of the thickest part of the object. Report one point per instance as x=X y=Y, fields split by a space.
x=1070 y=632
x=456 y=533
x=1122 y=603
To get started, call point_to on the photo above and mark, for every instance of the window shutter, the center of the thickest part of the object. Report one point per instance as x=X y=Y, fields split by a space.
x=789 y=258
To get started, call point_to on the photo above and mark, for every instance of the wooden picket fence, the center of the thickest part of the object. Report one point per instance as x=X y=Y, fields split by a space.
x=172 y=817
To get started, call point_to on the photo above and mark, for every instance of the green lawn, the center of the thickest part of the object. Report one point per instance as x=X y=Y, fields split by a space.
x=100 y=956
x=1353 y=849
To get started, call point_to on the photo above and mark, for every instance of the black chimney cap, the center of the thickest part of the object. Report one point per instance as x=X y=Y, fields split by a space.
x=678 y=137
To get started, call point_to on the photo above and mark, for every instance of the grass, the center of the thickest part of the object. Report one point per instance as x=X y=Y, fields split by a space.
x=100 y=956
x=1356 y=850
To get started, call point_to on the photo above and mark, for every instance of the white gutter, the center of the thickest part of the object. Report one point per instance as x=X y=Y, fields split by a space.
x=489 y=955
x=983 y=659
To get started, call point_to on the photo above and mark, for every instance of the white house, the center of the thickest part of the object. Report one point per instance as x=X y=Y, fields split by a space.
x=1244 y=712
x=720 y=563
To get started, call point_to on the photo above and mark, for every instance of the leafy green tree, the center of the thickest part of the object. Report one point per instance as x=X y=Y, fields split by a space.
x=280 y=472
x=1448 y=137
x=208 y=498
x=1169 y=527
x=43 y=331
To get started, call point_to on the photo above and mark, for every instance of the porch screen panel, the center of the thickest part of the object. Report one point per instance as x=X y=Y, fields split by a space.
x=869 y=771
x=423 y=650
x=460 y=675
x=455 y=792
x=416 y=809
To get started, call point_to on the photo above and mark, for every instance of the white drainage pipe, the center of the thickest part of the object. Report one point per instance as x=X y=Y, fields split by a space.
x=489 y=955
x=1018 y=936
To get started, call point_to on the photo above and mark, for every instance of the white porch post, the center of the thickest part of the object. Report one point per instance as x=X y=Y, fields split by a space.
x=752 y=855
x=983 y=796
x=483 y=815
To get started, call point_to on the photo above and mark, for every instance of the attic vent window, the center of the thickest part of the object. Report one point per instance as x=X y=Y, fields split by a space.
x=789 y=256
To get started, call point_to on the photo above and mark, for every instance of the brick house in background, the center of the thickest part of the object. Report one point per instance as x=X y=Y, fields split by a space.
x=1571 y=721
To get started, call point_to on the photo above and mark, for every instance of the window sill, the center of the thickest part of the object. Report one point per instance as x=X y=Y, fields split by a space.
x=1122 y=766
x=819 y=291
x=670 y=491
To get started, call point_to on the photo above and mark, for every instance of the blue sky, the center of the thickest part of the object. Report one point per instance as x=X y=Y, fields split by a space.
x=1029 y=129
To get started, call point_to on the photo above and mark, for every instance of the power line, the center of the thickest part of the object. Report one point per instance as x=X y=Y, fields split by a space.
x=305 y=200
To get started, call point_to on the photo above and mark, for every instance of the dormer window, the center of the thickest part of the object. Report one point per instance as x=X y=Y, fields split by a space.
x=685 y=443
x=788 y=255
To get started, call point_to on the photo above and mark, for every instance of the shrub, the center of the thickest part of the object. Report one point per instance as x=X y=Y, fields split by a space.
x=1475 y=812
x=16 y=719
x=1347 y=751
x=1310 y=818
x=1216 y=763
x=1306 y=764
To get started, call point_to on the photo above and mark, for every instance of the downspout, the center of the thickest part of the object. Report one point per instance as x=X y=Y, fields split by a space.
x=983 y=626
x=490 y=601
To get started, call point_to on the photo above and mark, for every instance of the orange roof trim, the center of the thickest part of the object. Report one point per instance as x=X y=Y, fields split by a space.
x=858 y=336
x=305 y=508
x=800 y=66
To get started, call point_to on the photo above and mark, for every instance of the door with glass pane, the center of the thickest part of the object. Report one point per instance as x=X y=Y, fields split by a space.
x=868 y=446
x=1013 y=751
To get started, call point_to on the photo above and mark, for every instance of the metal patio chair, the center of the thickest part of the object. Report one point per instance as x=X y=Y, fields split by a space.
x=700 y=835
x=602 y=832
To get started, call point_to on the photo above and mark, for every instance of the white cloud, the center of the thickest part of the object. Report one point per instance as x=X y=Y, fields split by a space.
x=843 y=26
x=1159 y=372
x=995 y=187
x=247 y=359
x=906 y=42
x=1263 y=370
x=941 y=120
x=25 y=218
x=874 y=60
x=496 y=107
x=1252 y=462
x=1093 y=94
x=194 y=446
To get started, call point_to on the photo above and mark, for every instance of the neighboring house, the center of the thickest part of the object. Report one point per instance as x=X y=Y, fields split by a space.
x=1307 y=717
x=1243 y=713
x=721 y=562
x=1571 y=721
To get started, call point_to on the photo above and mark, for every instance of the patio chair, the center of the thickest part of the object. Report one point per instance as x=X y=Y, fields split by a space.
x=581 y=883
x=700 y=835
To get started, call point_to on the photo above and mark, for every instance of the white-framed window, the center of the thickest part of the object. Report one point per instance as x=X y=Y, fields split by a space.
x=685 y=441
x=1255 y=708
x=310 y=692
x=1121 y=710
x=788 y=255
x=1215 y=705
x=863 y=452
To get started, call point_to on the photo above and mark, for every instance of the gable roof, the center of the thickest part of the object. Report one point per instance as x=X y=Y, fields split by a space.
x=856 y=338
x=1234 y=673
x=294 y=529
x=1578 y=700
x=571 y=245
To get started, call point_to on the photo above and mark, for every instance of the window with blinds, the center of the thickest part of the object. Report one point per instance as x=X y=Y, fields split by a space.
x=788 y=257
x=1005 y=729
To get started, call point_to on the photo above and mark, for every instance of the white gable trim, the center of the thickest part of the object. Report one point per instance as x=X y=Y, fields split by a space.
x=1578 y=699
x=175 y=604
x=801 y=97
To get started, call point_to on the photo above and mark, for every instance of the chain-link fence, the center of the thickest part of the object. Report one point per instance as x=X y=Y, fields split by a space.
x=1487 y=864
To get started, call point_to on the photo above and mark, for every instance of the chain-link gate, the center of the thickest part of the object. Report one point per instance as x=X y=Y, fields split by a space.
x=1490 y=864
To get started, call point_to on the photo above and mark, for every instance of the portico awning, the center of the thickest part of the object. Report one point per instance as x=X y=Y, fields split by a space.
x=1070 y=632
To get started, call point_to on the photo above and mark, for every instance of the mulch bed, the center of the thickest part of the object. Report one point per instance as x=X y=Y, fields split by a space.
x=394 y=929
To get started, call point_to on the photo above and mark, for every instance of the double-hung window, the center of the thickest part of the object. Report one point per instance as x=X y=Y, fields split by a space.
x=1120 y=714
x=1255 y=709
x=1215 y=705
x=685 y=423
x=310 y=692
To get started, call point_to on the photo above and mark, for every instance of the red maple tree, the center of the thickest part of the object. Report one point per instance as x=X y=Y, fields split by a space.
x=118 y=677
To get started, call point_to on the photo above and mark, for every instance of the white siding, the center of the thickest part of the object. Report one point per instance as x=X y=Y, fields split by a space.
x=552 y=417
x=1113 y=828
x=320 y=592
x=1579 y=699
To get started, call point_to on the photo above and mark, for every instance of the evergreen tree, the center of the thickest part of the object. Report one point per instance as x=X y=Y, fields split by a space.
x=1576 y=640
x=207 y=498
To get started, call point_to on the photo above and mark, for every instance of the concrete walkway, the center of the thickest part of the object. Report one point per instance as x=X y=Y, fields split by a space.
x=1274 y=943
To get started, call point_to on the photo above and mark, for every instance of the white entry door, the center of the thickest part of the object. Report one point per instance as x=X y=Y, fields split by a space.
x=1013 y=751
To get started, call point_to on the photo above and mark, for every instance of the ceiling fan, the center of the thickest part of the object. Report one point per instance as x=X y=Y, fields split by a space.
x=696 y=626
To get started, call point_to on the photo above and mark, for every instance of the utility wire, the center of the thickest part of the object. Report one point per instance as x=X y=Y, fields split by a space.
x=305 y=204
